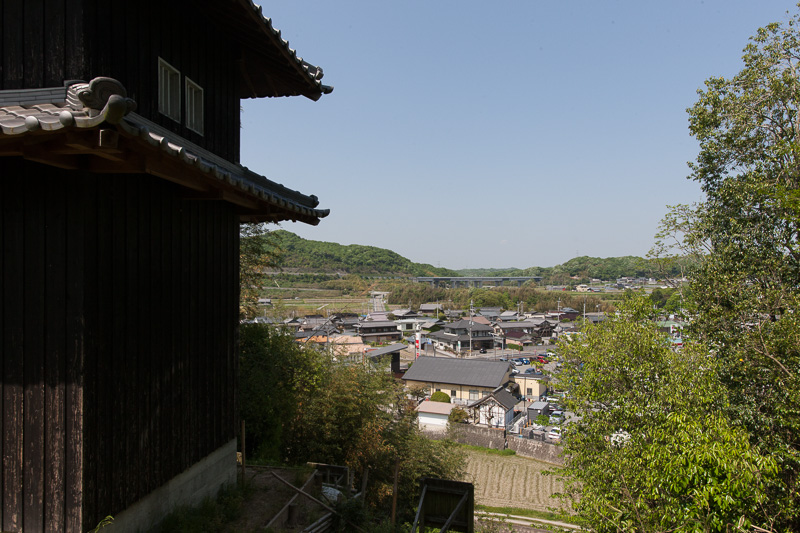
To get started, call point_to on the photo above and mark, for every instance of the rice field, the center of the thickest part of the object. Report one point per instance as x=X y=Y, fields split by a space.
x=511 y=481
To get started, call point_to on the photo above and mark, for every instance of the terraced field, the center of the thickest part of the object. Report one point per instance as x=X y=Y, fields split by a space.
x=511 y=481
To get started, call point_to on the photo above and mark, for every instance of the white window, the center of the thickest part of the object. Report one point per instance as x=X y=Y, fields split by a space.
x=473 y=395
x=194 y=107
x=169 y=90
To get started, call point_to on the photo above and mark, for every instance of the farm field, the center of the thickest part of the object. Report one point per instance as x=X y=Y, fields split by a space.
x=511 y=480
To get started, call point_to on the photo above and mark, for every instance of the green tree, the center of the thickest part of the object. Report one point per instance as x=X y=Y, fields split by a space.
x=300 y=405
x=651 y=448
x=258 y=251
x=440 y=396
x=746 y=290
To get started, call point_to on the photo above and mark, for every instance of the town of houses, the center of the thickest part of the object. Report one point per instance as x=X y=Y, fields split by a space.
x=495 y=365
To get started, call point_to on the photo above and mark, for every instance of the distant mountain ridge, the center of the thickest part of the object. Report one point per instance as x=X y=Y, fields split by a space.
x=327 y=257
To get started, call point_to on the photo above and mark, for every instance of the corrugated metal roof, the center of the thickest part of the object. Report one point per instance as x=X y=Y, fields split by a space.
x=474 y=372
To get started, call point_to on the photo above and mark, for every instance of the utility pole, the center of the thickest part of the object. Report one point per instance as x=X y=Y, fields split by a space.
x=471 y=310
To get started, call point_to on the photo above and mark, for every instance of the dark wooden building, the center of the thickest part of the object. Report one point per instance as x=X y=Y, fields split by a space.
x=120 y=203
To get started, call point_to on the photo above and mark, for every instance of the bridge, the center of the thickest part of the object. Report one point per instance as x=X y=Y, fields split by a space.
x=475 y=281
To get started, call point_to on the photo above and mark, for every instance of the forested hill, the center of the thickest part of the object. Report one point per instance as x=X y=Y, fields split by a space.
x=608 y=268
x=327 y=257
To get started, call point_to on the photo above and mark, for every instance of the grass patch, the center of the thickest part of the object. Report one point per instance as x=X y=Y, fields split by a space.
x=487 y=451
x=211 y=516
x=544 y=515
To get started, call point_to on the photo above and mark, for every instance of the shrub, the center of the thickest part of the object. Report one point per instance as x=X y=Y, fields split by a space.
x=440 y=396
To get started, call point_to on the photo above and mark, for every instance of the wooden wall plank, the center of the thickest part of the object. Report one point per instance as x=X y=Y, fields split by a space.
x=216 y=310
x=55 y=363
x=157 y=356
x=3 y=311
x=78 y=24
x=92 y=402
x=12 y=339
x=130 y=382
x=75 y=330
x=176 y=347
x=107 y=361
x=13 y=45
x=141 y=328
x=33 y=341
x=54 y=43
x=194 y=313
x=187 y=316
x=118 y=349
x=33 y=44
x=204 y=372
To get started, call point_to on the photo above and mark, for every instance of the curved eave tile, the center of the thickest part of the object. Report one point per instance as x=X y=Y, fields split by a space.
x=311 y=73
x=263 y=193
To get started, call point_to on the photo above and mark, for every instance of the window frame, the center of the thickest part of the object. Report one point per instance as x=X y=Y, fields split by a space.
x=195 y=111
x=169 y=90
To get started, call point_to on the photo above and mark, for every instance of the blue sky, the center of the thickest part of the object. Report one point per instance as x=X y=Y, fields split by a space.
x=471 y=134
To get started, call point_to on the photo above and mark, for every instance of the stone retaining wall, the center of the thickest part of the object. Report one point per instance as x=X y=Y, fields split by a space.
x=478 y=436
x=536 y=449
x=497 y=440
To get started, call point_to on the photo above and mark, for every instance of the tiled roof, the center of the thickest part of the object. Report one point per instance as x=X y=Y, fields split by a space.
x=268 y=65
x=474 y=372
x=502 y=396
x=27 y=115
x=466 y=324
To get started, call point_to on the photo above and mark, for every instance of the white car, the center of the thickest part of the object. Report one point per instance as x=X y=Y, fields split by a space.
x=554 y=433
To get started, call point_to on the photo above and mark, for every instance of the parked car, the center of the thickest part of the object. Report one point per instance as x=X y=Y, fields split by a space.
x=534 y=371
x=542 y=360
x=514 y=371
x=556 y=417
x=554 y=433
x=483 y=350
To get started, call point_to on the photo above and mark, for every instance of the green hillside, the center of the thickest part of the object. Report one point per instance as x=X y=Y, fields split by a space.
x=328 y=257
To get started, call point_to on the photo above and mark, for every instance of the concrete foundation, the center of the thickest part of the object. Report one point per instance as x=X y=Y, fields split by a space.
x=189 y=488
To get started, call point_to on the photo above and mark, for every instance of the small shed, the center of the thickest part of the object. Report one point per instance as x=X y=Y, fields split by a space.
x=538 y=408
x=433 y=415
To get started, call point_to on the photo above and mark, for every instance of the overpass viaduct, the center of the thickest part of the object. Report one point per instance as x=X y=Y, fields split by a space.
x=475 y=281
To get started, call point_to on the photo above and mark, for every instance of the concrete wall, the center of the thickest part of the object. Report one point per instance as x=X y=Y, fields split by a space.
x=477 y=436
x=496 y=439
x=536 y=449
x=189 y=488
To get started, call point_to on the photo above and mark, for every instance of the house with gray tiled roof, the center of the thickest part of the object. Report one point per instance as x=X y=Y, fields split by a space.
x=494 y=410
x=430 y=309
x=122 y=193
x=464 y=380
x=462 y=335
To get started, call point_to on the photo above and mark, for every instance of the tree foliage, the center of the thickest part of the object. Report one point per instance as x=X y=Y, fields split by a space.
x=708 y=439
x=652 y=449
x=326 y=257
x=440 y=396
x=747 y=287
x=258 y=252
x=300 y=405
